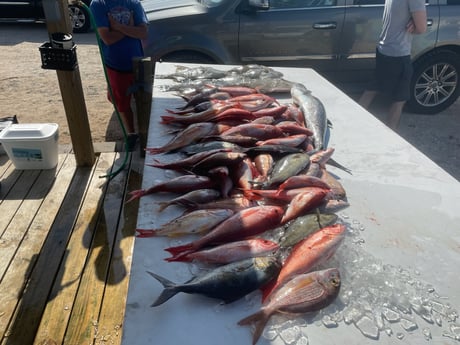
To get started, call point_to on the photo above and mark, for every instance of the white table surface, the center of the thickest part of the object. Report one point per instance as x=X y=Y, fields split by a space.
x=406 y=206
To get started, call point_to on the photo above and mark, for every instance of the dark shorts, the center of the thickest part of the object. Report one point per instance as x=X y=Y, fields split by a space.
x=120 y=83
x=393 y=76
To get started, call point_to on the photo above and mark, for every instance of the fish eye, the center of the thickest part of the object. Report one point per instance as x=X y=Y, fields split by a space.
x=335 y=281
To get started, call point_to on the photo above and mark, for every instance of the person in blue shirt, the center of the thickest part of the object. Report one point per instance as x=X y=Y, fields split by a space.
x=122 y=25
x=402 y=19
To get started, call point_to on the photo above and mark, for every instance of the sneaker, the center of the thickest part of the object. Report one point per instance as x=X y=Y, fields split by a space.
x=131 y=141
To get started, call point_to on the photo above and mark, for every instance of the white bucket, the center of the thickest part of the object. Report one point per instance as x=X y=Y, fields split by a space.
x=61 y=40
x=31 y=145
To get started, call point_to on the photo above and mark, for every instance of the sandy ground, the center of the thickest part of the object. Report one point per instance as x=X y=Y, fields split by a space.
x=33 y=94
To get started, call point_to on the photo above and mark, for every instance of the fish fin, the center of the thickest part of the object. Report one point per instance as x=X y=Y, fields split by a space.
x=168 y=292
x=136 y=194
x=180 y=249
x=259 y=319
x=334 y=163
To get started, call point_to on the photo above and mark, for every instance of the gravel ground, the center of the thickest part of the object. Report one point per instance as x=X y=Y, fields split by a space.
x=33 y=93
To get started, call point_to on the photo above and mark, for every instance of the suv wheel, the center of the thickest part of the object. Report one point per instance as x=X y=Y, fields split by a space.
x=79 y=17
x=435 y=83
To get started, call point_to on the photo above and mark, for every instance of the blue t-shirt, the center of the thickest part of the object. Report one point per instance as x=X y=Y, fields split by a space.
x=119 y=55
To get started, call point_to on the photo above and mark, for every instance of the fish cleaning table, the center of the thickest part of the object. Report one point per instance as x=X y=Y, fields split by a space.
x=399 y=263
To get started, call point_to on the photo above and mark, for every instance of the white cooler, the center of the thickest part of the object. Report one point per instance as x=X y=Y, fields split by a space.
x=31 y=145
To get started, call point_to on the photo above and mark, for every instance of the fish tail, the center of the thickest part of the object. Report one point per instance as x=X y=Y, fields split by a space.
x=169 y=289
x=155 y=150
x=180 y=249
x=181 y=257
x=135 y=194
x=260 y=319
x=163 y=205
x=146 y=233
x=166 y=119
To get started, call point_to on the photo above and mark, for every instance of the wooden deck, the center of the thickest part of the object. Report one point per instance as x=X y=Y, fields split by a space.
x=66 y=240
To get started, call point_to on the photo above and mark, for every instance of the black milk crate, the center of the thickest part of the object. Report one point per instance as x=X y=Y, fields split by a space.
x=58 y=58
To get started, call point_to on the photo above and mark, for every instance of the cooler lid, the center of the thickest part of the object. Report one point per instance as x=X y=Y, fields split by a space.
x=28 y=131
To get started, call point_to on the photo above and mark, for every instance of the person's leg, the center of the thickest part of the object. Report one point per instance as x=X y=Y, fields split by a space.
x=401 y=90
x=120 y=83
x=394 y=114
x=366 y=98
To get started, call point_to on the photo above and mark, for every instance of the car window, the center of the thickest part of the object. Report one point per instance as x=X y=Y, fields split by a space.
x=301 y=3
x=368 y=2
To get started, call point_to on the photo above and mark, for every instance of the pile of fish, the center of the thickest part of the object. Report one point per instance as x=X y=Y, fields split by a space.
x=257 y=194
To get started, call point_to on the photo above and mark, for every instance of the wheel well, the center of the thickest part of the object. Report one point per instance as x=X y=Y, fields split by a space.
x=448 y=48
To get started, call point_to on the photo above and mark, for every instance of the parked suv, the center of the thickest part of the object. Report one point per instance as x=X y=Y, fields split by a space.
x=32 y=10
x=335 y=37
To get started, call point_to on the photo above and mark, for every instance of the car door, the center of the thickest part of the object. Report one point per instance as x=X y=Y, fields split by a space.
x=18 y=9
x=363 y=22
x=295 y=33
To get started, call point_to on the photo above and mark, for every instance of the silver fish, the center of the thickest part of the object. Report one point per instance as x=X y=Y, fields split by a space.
x=314 y=113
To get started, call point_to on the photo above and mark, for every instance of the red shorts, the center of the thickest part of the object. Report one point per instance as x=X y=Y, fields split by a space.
x=120 y=83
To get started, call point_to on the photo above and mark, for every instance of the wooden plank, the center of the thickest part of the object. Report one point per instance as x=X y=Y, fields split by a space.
x=17 y=277
x=85 y=312
x=16 y=188
x=109 y=328
x=59 y=307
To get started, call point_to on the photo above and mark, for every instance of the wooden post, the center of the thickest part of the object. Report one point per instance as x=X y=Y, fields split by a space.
x=58 y=20
x=143 y=79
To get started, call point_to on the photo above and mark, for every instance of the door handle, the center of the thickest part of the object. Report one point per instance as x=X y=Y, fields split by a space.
x=325 y=26
x=429 y=22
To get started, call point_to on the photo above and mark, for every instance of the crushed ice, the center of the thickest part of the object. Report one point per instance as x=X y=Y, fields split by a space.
x=377 y=298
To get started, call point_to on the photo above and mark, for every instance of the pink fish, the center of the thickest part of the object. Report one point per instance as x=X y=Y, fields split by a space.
x=304 y=202
x=304 y=293
x=307 y=254
x=231 y=252
x=243 y=224
x=254 y=130
x=293 y=140
x=301 y=181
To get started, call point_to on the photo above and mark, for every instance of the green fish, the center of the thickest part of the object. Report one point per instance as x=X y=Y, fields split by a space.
x=303 y=226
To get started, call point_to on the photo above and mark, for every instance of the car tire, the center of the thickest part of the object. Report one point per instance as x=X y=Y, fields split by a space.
x=80 y=19
x=187 y=57
x=435 y=82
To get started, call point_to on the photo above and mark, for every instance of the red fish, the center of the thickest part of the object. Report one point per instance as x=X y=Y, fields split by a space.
x=233 y=251
x=254 y=130
x=246 y=223
x=304 y=293
x=307 y=254
x=301 y=181
x=304 y=202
